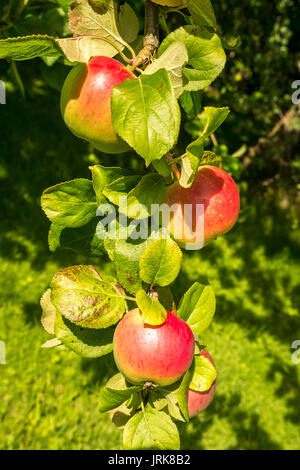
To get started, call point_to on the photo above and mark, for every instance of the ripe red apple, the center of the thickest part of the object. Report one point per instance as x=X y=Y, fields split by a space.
x=86 y=102
x=159 y=354
x=216 y=190
x=198 y=401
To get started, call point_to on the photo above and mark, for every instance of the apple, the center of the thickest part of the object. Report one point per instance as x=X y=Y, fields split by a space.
x=217 y=192
x=159 y=354
x=86 y=102
x=198 y=401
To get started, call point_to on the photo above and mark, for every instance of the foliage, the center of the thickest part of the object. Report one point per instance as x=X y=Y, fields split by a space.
x=225 y=263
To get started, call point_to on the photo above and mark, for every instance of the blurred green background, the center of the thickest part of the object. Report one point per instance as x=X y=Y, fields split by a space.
x=48 y=398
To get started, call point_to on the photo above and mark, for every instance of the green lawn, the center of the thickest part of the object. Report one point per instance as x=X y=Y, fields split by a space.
x=49 y=397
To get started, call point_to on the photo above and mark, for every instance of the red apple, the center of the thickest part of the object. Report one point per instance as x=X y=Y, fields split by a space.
x=198 y=401
x=159 y=354
x=86 y=102
x=216 y=190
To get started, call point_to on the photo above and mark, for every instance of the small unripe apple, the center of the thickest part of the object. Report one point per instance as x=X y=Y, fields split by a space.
x=198 y=401
x=86 y=102
x=217 y=192
x=160 y=354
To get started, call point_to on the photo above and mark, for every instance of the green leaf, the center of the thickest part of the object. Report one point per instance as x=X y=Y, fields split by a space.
x=202 y=12
x=70 y=204
x=189 y=166
x=151 y=430
x=86 y=20
x=191 y=101
x=161 y=262
x=74 y=49
x=128 y=23
x=48 y=312
x=29 y=47
x=121 y=415
x=197 y=307
x=149 y=191
x=83 y=240
x=174 y=397
x=116 y=392
x=134 y=402
x=84 y=341
x=215 y=117
x=167 y=401
x=103 y=176
x=153 y=313
x=126 y=254
x=87 y=298
x=194 y=151
x=206 y=55
x=83 y=48
x=64 y=4
x=145 y=113
x=204 y=374
x=172 y=59
x=162 y=167
x=181 y=394
x=120 y=188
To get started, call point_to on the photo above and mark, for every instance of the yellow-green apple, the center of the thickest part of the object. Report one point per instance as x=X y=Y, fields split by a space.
x=160 y=354
x=198 y=401
x=213 y=205
x=86 y=102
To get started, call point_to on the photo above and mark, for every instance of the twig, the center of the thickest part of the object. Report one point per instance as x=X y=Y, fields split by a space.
x=255 y=149
x=284 y=121
x=151 y=33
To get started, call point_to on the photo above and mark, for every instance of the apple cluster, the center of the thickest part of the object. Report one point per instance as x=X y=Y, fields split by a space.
x=86 y=109
x=158 y=354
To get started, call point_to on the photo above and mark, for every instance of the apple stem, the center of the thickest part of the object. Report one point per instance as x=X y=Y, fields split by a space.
x=153 y=294
x=151 y=36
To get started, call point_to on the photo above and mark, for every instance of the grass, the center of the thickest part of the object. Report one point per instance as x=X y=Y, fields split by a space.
x=49 y=397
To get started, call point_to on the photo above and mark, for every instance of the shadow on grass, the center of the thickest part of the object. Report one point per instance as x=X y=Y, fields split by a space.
x=289 y=387
x=100 y=369
x=248 y=432
x=37 y=151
